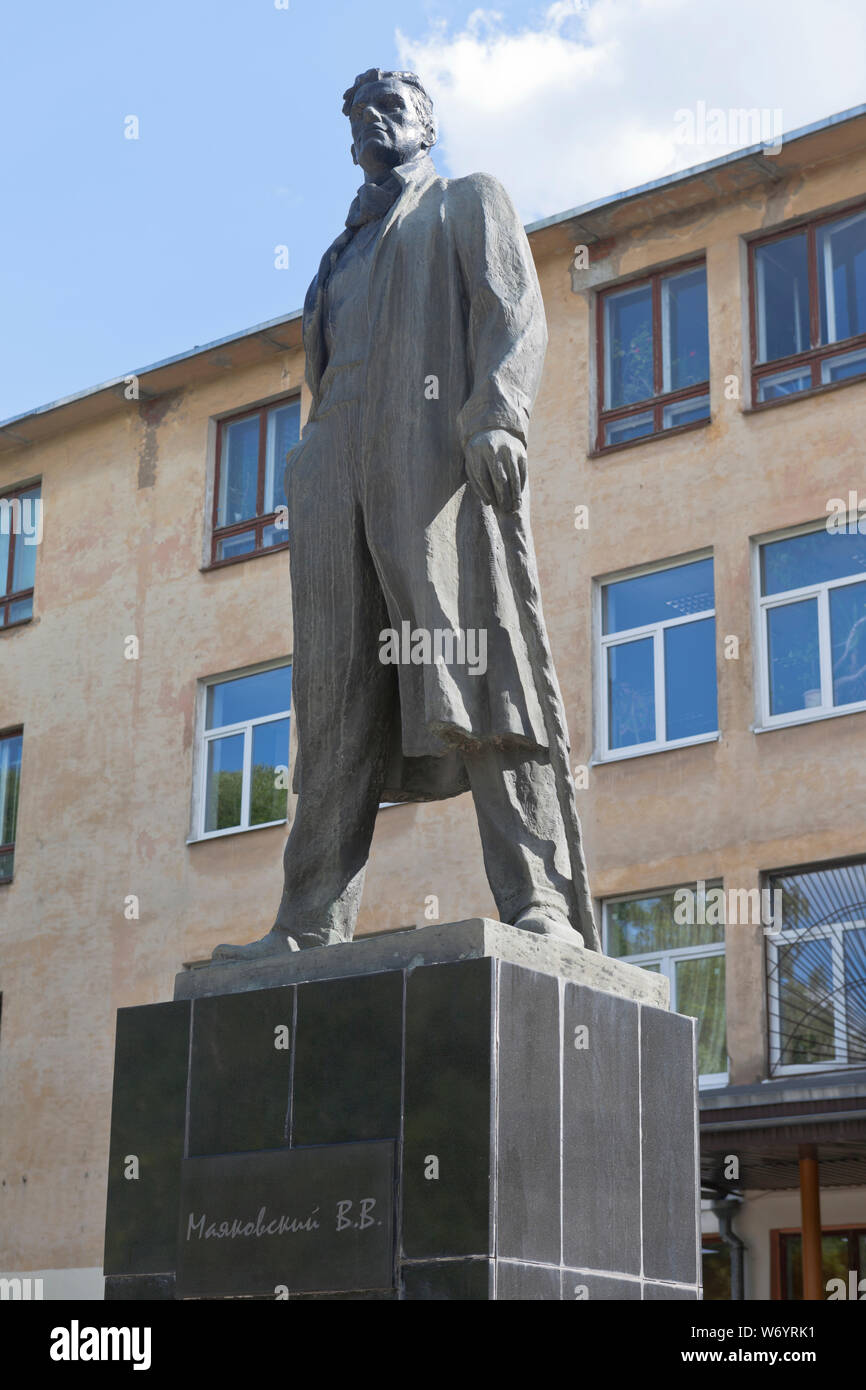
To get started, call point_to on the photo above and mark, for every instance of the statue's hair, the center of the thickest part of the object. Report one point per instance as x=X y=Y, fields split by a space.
x=410 y=79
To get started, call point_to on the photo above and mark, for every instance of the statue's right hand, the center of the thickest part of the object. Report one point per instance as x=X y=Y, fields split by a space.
x=496 y=468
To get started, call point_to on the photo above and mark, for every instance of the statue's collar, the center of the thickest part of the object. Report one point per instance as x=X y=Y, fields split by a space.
x=417 y=170
x=374 y=201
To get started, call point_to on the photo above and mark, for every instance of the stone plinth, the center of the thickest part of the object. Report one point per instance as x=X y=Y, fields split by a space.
x=456 y=1112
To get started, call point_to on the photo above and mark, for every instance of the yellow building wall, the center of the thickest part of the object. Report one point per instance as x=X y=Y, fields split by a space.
x=109 y=742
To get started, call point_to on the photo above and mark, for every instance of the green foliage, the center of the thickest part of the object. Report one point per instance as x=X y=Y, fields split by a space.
x=9 y=808
x=267 y=802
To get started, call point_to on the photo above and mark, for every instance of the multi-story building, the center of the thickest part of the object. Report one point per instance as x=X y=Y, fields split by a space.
x=695 y=464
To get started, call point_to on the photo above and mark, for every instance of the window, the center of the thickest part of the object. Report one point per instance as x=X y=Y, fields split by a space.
x=658 y=659
x=715 y=1270
x=245 y=755
x=654 y=931
x=10 y=781
x=808 y=296
x=816 y=970
x=812 y=614
x=653 y=356
x=248 y=482
x=20 y=533
x=843 y=1253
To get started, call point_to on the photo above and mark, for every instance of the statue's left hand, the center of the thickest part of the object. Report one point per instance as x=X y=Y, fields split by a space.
x=496 y=468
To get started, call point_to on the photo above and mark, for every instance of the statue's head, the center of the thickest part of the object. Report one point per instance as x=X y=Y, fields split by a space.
x=391 y=117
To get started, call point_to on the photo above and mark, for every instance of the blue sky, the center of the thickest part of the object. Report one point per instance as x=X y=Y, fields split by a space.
x=115 y=253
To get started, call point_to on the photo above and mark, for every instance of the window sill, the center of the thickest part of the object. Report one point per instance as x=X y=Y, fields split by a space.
x=12 y=627
x=643 y=752
x=650 y=438
x=796 y=721
x=814 y=1069
x=233 y=830
x=239 y=559
x=758 y=407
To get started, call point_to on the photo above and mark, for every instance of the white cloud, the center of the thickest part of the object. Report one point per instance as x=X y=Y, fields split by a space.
x=588 y=100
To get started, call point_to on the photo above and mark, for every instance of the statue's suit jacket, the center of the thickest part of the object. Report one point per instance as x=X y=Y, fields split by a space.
x=456 y=345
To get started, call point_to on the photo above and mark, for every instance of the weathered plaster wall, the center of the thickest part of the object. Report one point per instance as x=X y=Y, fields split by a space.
x=108 y=743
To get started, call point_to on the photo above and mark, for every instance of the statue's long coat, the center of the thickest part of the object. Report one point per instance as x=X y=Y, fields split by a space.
x=457 y=342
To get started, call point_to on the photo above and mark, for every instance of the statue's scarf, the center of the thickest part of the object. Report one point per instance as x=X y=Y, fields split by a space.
x=372 y=202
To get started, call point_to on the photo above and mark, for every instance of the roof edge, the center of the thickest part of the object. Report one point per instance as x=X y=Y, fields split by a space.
x=694 y=171
x=121 y=380
x=575 y=213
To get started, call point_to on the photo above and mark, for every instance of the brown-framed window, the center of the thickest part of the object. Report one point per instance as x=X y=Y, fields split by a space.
x=653 y=355
x=808 y=306
x=249 y=497
x=20 y=533
x=843 y=1255
x=10 y=782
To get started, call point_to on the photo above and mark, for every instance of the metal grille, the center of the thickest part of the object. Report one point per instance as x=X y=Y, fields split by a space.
x=816 y=970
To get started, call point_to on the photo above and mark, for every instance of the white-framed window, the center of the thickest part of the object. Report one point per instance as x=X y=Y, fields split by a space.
x=243 y=758
x=810 y=598
x=816 y=970
x=657 y=932
x=10 y=786
x=656 y=684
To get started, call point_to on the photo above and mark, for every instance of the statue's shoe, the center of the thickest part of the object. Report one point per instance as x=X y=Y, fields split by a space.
x=535 y=920
x=276 y=943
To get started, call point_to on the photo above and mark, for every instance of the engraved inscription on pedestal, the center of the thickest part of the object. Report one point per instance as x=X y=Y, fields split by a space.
x=287 y=1220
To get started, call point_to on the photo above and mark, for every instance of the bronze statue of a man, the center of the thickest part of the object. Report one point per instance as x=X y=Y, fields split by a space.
x=424 y=334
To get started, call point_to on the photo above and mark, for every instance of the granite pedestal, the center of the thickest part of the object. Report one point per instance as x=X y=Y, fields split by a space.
x=458 y=1112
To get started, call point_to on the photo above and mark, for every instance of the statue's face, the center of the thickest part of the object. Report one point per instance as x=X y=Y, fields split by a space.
x=387 y=126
